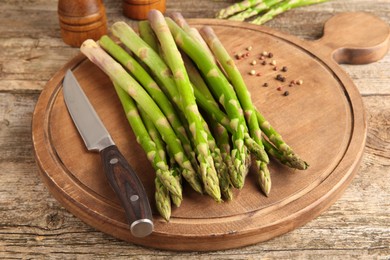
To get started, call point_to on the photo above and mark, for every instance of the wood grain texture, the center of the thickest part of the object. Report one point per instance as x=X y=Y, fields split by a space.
x=34 y=225
x=328 y=98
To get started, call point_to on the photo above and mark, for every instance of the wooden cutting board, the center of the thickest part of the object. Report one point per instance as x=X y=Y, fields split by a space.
x=323 y=120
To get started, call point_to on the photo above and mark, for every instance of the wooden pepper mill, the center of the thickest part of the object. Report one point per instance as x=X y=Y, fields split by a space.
x=81 y=20
x=138 y=9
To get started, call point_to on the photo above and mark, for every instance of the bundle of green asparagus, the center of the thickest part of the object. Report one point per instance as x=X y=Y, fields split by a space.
x=189 y=108
x=262 y=10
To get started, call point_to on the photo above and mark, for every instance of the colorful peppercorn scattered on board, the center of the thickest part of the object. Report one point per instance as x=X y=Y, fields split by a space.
x=322 y=118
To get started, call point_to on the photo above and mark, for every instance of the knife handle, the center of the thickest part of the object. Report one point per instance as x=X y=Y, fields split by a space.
x=130 y=191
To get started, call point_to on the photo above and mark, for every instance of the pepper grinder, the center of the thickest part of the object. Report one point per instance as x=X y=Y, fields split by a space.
x=138 y=9
x=80 y=20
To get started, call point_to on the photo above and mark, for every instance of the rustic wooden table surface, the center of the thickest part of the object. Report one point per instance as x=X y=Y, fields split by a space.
x=34 y=225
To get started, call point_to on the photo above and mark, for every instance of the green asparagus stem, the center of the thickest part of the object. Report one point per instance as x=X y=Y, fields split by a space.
x=263 y=177
x=148 y=56
x=175 y=168
x=223 y=165
x=139 y=73
x=283 y=7
x=282 y=147
x=197 y=80
x=222 y=89
x=119 y=75
x=238 y=83
x=190 y=109
x=156 y=64
x=147 y=34
x=163 y=201
x=153 y=133
x=222 y=140
x=160 y=146
x=243 y=96
x=161 y=71
x=254 y=10
x=211 y=107
x=219 y=163
x=193 y=32
x=155 y=156
x=291 y=160
x=237 y=7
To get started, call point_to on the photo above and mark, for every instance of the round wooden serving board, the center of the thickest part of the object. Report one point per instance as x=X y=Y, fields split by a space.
x=323 y=120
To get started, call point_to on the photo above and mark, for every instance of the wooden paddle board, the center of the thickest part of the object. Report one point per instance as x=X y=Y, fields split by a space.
x=322 y=119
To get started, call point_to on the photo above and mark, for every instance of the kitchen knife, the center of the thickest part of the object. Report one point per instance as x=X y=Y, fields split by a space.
x=120 y=174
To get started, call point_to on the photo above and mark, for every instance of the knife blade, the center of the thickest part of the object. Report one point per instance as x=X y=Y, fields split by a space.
x=121 y=176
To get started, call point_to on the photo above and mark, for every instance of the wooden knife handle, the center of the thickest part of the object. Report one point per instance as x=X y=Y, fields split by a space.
x=129 y=190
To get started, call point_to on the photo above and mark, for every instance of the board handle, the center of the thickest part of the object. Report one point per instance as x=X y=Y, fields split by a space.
x=355 y=38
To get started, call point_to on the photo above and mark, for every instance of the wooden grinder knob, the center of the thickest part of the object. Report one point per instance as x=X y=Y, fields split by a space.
x=80 y=20
x=138 y=9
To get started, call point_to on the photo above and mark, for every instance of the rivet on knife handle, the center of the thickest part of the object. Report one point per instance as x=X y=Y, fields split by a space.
x=129 y=189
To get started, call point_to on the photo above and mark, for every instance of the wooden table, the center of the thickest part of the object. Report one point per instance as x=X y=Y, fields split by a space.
x=34 y=225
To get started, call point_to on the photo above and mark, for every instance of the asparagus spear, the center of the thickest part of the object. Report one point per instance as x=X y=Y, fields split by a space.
x=151 y=87
x=286 y=152
x=190 y=109
x=147 y=34
x=163 y=201
x=148 y=56
x=254 y=10
x=165 y=180
x=283 y=7
x=160 y=146
x=157 y=66
x=155 y=156
x=119 y=75
x=243 y=96
x=222 y=141
x=210 y=106
x=237 y=7
x=238 y=83
x=193 y=32
x=222 y=89
x=175 y=168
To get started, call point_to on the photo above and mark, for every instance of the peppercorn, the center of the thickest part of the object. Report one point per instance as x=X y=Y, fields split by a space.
x=284 y=69
x=286 y=93
x=264 y=62
x=270 y=55
x=280 y=78
x=265 y=84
